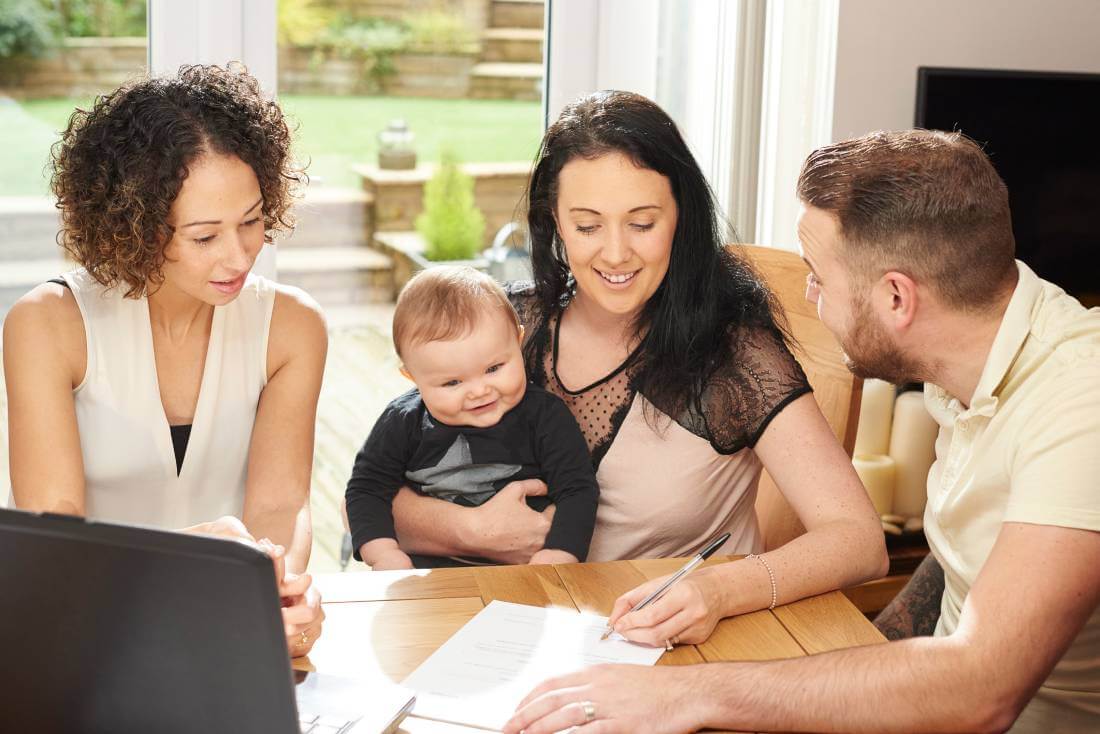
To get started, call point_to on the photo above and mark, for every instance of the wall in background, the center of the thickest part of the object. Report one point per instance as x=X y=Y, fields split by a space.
x=881 y=44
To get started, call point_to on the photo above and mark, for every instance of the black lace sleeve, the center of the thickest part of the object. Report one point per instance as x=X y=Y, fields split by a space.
x=741 y=397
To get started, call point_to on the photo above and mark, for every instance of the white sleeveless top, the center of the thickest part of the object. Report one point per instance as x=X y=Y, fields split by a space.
x=129 y=463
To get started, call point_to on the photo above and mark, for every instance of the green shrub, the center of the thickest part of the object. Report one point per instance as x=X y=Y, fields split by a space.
x=440 y=31
x=25 y=29
x=452 y=226
x=102 y=18
x=373 y=41
x=302 y=22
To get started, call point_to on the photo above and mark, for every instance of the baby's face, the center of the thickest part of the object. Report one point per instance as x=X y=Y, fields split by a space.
x=472 y=380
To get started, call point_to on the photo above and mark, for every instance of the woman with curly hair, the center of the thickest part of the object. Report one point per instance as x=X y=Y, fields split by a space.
x=665 y=347
x=162 y=383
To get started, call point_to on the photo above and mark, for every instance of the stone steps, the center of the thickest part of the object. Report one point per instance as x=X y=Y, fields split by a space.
x=512 y=45
x=495 y=80
x=338 y=276
x=18 y=277
x=331 y=216
x=28 y=229
x=326 y=216
x=517 y=14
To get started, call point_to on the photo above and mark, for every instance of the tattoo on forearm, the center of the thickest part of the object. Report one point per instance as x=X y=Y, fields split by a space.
x=915 y=611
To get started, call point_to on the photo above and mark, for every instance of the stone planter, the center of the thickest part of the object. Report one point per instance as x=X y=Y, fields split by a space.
x=437 y=75
x=399 y=195
x=79 y=67
x=407 y=251
x=303 y=71
x=441 y=76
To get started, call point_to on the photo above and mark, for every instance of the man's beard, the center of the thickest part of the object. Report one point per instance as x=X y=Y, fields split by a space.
x=869 y=352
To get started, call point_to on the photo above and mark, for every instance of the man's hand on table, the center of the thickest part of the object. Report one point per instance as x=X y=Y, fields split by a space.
x=622 y=698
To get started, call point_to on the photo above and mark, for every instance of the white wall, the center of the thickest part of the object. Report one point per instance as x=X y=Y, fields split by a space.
x=880 y=44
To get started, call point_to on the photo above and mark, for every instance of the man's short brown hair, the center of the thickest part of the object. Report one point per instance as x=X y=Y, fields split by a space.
x=446 y=302
x=922 y=202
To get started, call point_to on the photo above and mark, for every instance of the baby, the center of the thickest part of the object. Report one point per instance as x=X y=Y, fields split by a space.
x=470 y=426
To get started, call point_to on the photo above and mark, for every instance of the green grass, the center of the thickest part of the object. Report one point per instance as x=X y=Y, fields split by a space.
x=333 y=133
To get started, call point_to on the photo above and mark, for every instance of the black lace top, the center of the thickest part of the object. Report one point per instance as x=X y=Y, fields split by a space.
x=731 y=411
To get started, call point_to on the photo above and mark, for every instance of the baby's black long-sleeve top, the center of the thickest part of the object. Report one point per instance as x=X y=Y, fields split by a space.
x=538 y=438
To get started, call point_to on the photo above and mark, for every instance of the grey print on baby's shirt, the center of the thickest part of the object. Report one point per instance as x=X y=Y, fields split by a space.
x=457 y=476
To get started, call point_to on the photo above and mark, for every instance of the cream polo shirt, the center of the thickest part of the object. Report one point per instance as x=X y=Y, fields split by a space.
x=1026 y=450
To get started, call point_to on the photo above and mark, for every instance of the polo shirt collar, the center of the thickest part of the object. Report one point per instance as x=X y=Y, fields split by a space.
x=1013 y=331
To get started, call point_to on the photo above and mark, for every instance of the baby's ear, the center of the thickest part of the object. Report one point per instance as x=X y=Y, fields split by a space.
x=405 y=373
x=522 y=331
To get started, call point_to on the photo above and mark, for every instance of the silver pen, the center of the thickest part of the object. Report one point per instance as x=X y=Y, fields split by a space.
x=687 y=568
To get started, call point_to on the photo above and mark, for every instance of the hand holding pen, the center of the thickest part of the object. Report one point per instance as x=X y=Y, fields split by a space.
x=682 y=607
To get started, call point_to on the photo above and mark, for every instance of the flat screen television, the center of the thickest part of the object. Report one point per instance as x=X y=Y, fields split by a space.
x=1042 y=132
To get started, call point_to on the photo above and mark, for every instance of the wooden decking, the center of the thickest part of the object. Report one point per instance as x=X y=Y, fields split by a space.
x=361 y=377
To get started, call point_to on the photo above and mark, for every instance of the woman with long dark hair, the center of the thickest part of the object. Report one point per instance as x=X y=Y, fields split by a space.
x=667 y=349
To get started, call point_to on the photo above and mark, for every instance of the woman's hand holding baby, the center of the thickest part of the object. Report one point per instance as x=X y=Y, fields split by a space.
x=506 y=529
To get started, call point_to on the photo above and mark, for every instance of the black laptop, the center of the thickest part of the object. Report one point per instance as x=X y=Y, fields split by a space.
x=110 y=628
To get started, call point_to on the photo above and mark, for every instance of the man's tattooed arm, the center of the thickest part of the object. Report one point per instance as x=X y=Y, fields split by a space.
x=915 y=611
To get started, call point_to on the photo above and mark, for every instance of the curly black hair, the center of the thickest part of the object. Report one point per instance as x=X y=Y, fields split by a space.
x=119 y=166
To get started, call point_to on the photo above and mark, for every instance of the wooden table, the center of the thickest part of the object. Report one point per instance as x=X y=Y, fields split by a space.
x=383 y=624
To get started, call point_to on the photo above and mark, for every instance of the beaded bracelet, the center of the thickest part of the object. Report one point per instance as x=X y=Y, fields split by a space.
x=771 y=576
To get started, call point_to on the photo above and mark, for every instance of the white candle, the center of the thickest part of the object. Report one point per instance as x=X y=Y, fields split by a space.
x=913 y=449
x=877 y=472
x=876 y=411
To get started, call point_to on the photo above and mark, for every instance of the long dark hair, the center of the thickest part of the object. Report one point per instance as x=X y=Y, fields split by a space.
x=708 y=292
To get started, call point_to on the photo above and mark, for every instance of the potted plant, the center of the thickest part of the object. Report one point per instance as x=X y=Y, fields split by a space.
x=452 y=226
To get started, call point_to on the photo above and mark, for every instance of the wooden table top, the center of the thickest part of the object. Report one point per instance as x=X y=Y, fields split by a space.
x=383 y=624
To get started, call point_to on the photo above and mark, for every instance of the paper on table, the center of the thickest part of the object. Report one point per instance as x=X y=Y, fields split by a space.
x=479 y=675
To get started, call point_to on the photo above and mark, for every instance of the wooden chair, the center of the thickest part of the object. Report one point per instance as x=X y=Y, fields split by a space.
x=836 y=389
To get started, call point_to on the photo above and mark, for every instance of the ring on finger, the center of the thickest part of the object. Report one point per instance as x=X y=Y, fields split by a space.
x=304 y=640
x=589 y=709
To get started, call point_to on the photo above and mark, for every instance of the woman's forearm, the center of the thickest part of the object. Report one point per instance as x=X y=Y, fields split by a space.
x=432 y=527
x=832 y=556
x=289 y=528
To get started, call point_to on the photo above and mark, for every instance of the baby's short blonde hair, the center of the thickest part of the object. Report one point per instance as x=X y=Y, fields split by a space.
x=445 y=302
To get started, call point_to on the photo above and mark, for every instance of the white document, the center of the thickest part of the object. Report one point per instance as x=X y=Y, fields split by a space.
x=480 y=675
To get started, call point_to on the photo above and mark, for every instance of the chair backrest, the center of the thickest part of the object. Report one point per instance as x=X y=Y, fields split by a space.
x=836 y=389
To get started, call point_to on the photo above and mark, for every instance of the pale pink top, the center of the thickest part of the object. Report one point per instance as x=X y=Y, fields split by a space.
x=670 y=485
x=667 y=494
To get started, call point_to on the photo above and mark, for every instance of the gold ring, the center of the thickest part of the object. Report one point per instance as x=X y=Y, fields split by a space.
x=589 y=711
x=304 y=641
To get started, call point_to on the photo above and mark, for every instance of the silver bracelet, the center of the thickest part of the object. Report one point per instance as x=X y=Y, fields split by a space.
x=771 y=576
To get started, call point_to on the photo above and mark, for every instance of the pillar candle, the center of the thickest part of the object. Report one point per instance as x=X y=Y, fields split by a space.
x=913 y=449
x=877 y=472
x=876 y=411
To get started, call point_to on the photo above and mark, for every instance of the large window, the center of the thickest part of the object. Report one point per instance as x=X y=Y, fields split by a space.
x=55 y=56
x=456 y=78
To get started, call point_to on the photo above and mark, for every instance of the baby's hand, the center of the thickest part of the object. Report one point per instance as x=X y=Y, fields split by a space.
x=383 y=554
x=391 y=560
x=549 y=555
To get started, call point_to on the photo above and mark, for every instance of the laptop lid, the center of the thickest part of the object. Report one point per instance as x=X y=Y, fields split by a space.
x=109 y=628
